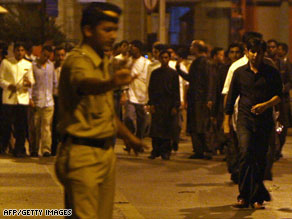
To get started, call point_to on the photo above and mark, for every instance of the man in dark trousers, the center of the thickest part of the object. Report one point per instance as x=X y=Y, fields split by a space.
x=260 y=88
x=199 y=79
x=164 y=101
x=284 y=107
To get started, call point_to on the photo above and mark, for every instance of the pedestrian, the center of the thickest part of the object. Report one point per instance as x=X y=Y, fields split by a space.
x=260 y=88
x=43 y=102
x=15 y=78
x=164 y=101
x=59 y=55
x=137 y=98
x=199 y=81
x=86 y=160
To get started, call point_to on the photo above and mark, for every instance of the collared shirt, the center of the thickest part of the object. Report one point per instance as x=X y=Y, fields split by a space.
x=45 y=82
x=138 y=88
x=253 y=88
x=240 y=62
x=12 y=72
x=90 y=116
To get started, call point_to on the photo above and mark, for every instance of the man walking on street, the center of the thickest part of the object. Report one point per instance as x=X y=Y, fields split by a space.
x=260 y=88
x=86 y=161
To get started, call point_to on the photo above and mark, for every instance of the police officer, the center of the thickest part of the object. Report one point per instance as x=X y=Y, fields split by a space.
x=86 y=161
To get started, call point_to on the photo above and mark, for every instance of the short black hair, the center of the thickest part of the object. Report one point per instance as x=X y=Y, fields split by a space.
x=18 y=44
x=273 y=41
x=215 y=51
x=48 y=48
x=138 y=44
x=164 y=51
x=96 y=12
x=248 y=35
x=60 y=48
x=238 y=45
x=256 y=44
x=284 y=46
x=183 y=52
x=124 y=41
x=160 y=47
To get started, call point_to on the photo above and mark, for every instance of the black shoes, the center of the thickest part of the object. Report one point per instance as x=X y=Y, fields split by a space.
x=241 y=203
x=34 y=154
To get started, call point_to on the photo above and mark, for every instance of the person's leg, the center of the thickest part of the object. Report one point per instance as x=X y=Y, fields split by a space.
x=55 y=133
x=89 y=183
x=130 y=117
x=32 y=132
x=155 y=148
x=197 y=146
x=37 y=125
x=107 y=188
x=46 y=136
x=258 y=191
x=165 y=148
x=141 y=120
x=8 y=114
x=20 y=124
x=246 y=160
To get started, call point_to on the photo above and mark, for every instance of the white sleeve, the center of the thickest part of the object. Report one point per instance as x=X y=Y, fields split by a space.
x=3 y=68
x=228 y=80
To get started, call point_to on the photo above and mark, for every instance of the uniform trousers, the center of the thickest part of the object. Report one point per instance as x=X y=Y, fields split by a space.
x=88 y=176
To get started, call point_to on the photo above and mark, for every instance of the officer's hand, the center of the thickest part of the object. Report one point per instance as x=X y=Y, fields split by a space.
x=259 y=108
x=136 y=144
x=122 y=77
x=12 y=88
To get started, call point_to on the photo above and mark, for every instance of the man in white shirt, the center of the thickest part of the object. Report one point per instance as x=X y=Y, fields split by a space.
x=135 y=118
x=15 y=78
x=42 y=95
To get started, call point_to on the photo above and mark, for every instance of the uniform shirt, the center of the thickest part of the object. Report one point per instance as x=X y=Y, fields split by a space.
x=12 y=72
x=138 y=88
x=45 y=82
x=90 y=116
x=253 y=88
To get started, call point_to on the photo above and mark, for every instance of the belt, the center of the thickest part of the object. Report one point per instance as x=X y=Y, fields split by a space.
x=104 y=143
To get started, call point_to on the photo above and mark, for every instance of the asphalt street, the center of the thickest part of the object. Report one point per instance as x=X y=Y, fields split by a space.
x=152 y=189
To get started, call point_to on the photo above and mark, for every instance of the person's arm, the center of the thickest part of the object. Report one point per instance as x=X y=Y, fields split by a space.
x=229 y=100
x=183 y=74
x=262 y=107
x=3 y=83
x=81 y=69
x=276 y=88
x=130 y=140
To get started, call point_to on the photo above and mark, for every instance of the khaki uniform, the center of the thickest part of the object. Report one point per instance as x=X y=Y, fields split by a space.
x=87 y=172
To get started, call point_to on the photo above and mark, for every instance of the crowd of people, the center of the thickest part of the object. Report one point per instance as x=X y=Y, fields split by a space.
x=233 y=98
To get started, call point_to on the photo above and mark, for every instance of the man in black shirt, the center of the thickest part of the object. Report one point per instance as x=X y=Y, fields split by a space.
x=164 y=101
x=260 y=88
